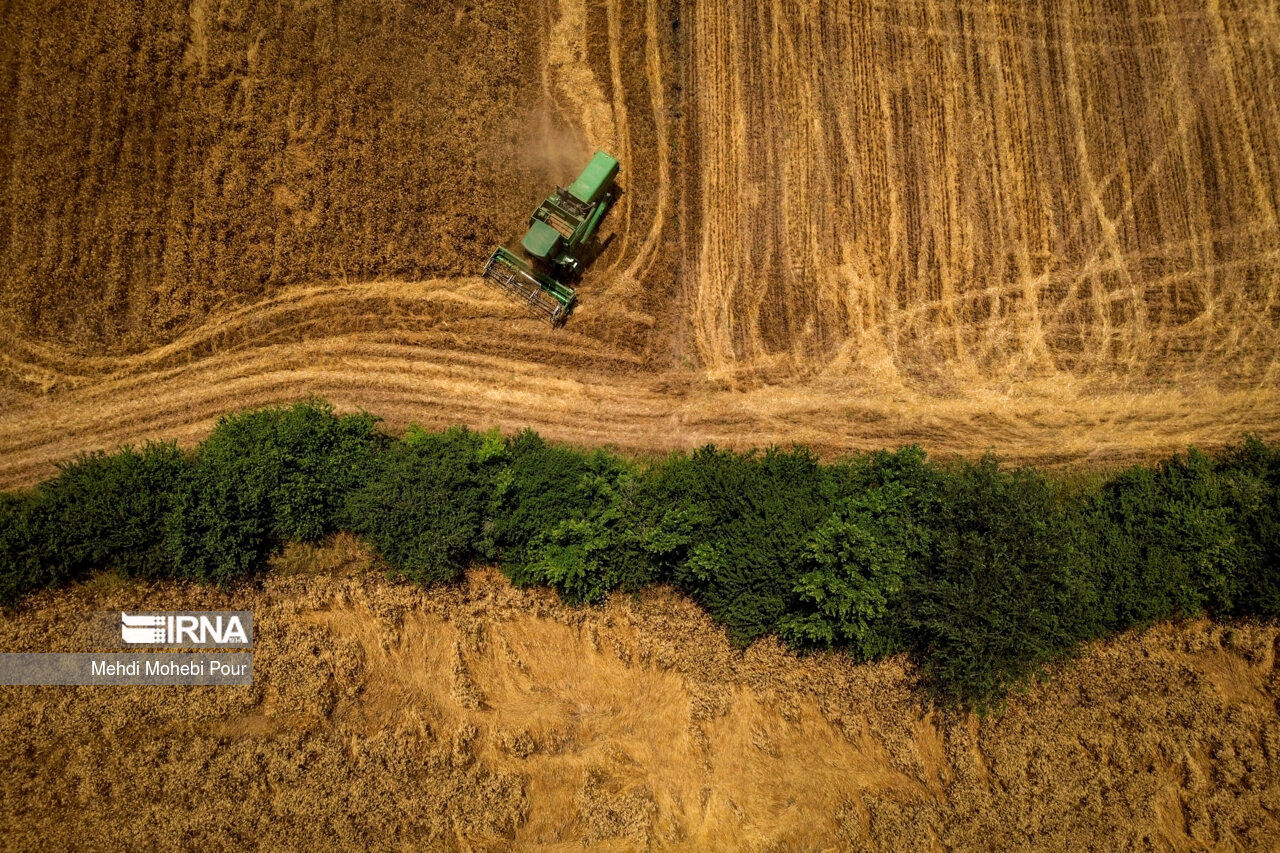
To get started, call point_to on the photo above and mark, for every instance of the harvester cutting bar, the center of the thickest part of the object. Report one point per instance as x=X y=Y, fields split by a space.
x=548 y=297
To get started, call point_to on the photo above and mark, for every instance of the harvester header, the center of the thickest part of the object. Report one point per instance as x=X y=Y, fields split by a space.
x=560 y=240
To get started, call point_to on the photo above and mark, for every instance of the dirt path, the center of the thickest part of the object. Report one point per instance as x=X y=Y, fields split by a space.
x=404 y=364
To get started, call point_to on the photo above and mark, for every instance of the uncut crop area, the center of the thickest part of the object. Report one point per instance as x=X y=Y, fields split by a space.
x=1043 y=229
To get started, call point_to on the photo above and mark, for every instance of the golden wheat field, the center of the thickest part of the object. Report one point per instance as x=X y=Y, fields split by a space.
x=481 y=717
x=1043 y=229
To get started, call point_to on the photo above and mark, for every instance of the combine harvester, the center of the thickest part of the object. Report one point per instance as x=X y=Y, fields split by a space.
x=558 y=243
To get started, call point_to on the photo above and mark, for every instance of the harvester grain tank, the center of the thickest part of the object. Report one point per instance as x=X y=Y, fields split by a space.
x=559 y=241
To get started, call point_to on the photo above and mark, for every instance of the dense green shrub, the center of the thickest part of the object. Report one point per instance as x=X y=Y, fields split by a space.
x=538 y=485
x=217 y=530
x=263 y=476
x=984 y=574
x=564 y=518
x=101 y=511
x=1168 y=541
x=300 y=461
x=423 y=507
x=108 y=511
x=1008 y=586
x=24 y=546
x=1251 y=472
x=859 y=563
x=731 y=530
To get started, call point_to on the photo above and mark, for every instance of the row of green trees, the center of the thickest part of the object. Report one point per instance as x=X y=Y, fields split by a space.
x=982 y=572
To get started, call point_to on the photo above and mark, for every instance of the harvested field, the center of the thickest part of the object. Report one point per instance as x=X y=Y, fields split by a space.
x=483 y=717
x=1047 y=229
x=1044 y=229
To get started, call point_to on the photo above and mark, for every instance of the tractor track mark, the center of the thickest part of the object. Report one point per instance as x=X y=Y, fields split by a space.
x=941 y=245
x=419 y=375
x=1040 y=229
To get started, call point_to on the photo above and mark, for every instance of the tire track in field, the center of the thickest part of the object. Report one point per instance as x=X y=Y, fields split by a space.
x=1027 y=229
x=984 y=192
x=571 y=388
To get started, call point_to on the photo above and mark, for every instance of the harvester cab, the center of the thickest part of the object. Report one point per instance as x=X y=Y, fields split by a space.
x=558 y=243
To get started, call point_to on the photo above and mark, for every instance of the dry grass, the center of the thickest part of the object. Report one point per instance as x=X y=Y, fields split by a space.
x=483 y=717
x=1046 y=229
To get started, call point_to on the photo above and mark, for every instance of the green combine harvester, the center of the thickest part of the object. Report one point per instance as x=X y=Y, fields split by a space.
x=558 y=242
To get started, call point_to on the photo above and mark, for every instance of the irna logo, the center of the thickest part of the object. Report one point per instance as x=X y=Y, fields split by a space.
x=186 y=629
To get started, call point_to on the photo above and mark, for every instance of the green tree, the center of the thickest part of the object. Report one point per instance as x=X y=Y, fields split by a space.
x=424 y=506
x=1008 y=588
x=263 y=476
